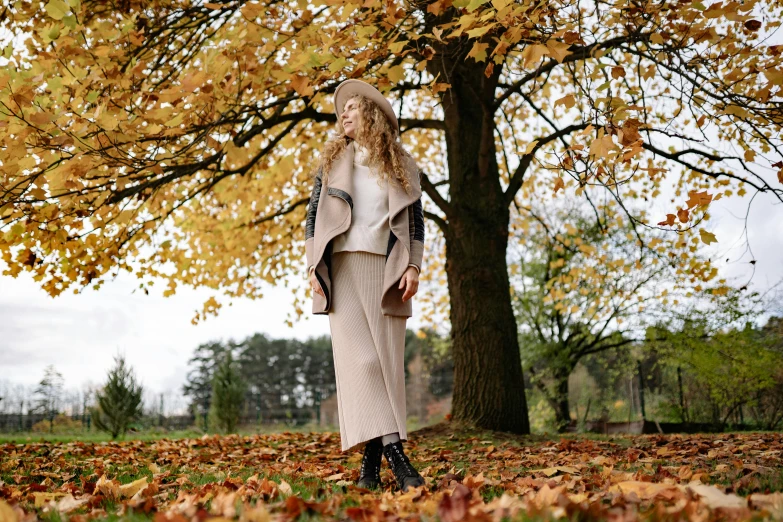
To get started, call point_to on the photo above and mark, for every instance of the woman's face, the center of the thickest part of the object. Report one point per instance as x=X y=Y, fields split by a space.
x=351 y=117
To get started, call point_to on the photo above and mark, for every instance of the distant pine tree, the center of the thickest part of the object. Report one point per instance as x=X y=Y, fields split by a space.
x=48 y=394
x=119 y=401
x=228 y=393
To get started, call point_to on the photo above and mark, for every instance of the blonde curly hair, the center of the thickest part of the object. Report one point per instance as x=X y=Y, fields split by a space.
x=384 y=151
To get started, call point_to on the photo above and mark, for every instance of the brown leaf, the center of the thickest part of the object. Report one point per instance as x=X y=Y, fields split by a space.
x=752 y=25
x=685 y=473
x=630 y=132
x=618 y=72
x=301 y=84
x=454 y=507
x=558 y=469
x=107 y=488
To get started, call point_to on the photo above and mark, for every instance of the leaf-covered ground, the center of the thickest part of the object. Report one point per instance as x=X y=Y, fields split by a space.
x=470 y=475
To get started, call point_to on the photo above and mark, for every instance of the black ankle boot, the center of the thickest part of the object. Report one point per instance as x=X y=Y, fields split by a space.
x=370 y=473
x=405 y=474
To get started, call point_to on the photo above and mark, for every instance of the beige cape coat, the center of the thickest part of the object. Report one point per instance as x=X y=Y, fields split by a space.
x=333 y=217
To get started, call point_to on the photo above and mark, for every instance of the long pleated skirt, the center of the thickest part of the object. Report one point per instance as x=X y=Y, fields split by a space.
x=368 y=349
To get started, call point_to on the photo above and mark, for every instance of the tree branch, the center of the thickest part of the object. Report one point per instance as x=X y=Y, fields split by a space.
x=519 y=175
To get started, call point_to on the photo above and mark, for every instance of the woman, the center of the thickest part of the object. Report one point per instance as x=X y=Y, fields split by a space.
x=364 y=244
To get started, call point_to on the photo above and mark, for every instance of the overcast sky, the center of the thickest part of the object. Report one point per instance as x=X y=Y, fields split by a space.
x=80 y=334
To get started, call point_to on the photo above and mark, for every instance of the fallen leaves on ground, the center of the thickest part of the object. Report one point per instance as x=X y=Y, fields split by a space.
x=486 y=477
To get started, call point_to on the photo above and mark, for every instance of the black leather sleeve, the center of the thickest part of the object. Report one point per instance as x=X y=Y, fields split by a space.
x=418 y=221
x=312 y=207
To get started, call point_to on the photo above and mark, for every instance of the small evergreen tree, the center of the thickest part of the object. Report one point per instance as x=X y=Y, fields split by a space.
x=228 y=393
x=119 y=401
x=48 y=394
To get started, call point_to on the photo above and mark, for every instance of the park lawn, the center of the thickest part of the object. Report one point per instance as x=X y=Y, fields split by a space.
x=470 y=474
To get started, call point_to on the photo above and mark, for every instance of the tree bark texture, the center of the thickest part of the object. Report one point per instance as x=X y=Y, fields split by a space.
x=488 y=384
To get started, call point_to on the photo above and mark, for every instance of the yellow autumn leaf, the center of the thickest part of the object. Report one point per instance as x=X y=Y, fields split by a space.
x=176 y=120
x=707 y=237
x=7 y=513
x=533 y=53
x=478 y=52
x=42 y=498
x=128 y=490
x=558 y=50
x=530 y=147
x=57 y=9
x=602 y=146
x=481 y=31
x=396 y=47
x=107 y=121
x=396 y=74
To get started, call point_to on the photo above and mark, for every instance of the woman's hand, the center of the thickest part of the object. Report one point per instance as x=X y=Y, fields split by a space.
x=314 y=284
x=409 y=281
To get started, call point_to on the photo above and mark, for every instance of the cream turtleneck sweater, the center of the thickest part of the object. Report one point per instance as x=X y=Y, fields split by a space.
x=369 y=230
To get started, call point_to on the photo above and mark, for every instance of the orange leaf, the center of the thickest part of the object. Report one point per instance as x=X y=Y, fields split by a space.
x=698 y=198
x=618 y=72
x=568 y=101
x=301 y=84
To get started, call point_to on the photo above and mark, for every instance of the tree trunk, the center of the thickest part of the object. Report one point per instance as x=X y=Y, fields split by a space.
x=488 y=385
x=563 y=411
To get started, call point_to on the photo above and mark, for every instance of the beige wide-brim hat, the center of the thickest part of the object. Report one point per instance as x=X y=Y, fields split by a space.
x=349 y=87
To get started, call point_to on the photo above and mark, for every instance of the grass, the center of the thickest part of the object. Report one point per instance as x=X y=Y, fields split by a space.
x=94 y=435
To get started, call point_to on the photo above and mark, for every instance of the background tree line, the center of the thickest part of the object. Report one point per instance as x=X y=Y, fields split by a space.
x=688 y=369
x=287 y=379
